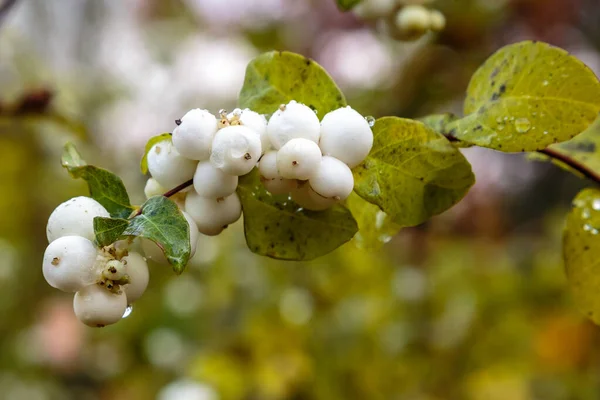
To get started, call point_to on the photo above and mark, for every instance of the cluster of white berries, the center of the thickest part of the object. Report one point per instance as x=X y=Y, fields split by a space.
x=296 y=154
x=402 y=19
x=105 y=280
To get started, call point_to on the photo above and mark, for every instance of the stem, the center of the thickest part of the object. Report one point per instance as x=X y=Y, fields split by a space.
x=570 y=162
x=179 y=188
x=168 y=193
x=5 y=8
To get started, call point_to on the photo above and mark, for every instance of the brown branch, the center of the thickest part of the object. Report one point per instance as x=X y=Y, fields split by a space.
x=5 y=8
x=568 y=161
x=168 y=193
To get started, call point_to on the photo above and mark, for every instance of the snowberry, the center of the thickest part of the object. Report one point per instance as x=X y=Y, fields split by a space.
x=193 y=232
x=279 y=185
x=268 y=165
x=167 y=166
x=293 y=120
x=137 y=270
x=236 y=150
x=75 y=217
x=212 y=215
x=153 y=188
x=255 y=121
x=333 y=179
x=437 y=20
x=346 y=135
x=413 y=21
x=70 y=263
x=298 y=159
x=307 y=198
x=114 y=270
x=194 y=135
x=213 y=182
x=153 y=252
x=96 y=306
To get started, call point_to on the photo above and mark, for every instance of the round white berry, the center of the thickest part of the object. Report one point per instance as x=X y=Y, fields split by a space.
x=437 y=20
x=167 y=166
x=153 y=252
x=413 y=21
x=279 y=185
x=75 y=217
x=268 y=165
x=97 y=306
x=193 y=233
x=194 y=135
x=153 y=188
x=255 y=121
x=333 y=179
x=70 y=263
x=114 y=270
x=290 y=121
x=310 y=200
x=236 y=150
x=137 y=270
x=212 y=215
x=346 y=135
x=298 y=159
x=213 y=182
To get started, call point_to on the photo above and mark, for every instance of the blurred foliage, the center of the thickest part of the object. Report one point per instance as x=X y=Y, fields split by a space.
x=473 y=305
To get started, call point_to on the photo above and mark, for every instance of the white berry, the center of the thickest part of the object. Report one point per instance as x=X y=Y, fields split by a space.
x=75 y=217
x=293 y=120
x=236 y=150
x=298 y=159
x=70 y=263
x=153 y=252
x=114 y=270
x=279 y=185
x=213 y=182
x=437 y=20
x=310 y=200
x=167 y=166
x=413 y=21
x=374 y=8
x=255 y=121
x=193 y=232
x=194 y=135
x=268 y=165
x=333 y=179
x=346 y=135
x=137 y=270
x=212 y=215
x=153 y=188
x=97 y=306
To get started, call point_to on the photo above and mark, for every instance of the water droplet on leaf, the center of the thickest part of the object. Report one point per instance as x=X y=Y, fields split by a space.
x=370 y=120
x=128 y=311
x=522 y=125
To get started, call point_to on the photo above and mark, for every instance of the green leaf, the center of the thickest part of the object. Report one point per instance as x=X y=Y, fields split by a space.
x=149 y=144
x=105 y=187
x=440 y=123
x=581 y=249
x=162 y=222
x=375 y=228
x=346 y=5
x=276 y=227
x=412 y=172
x=109 y=230
x=583 y=149
x=527 y=96
x=277 y=77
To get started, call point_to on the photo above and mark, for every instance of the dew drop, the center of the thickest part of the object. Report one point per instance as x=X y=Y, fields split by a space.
x=522 y=125
x=587 y=227
x=596 y=204
x=499 y=120
x=370 y=120
x=500 y=127
x=585 y=214
x=128 y=311
x=545 y=83
x=545 y=132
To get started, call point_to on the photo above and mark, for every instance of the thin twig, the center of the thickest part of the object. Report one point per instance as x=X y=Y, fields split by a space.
x=168 y=193
x=570 y=162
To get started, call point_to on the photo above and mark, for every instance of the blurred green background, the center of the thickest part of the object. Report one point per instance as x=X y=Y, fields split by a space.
x=472 y=305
